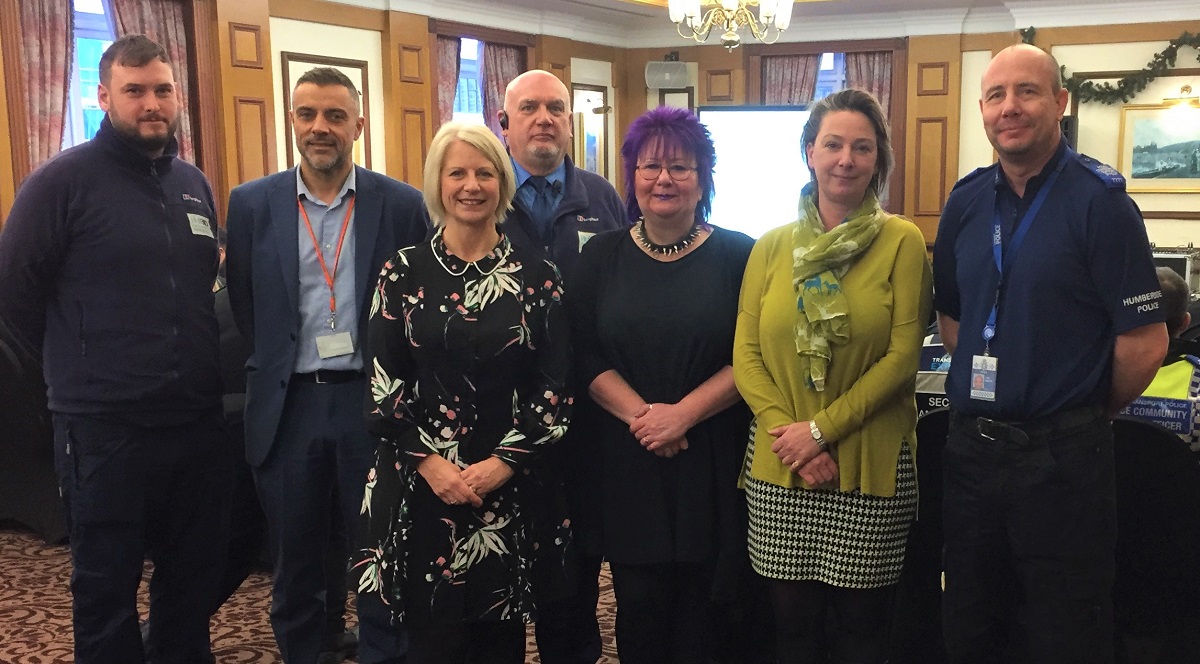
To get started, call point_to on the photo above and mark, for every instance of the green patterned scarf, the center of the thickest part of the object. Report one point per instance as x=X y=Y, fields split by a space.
x=820 y=260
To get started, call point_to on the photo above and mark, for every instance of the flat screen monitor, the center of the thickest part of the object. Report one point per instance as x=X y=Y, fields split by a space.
x=760 y=165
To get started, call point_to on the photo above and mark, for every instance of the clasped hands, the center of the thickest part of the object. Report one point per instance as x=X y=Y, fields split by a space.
x=661 y=428
x=795 y=447
x=455 y=486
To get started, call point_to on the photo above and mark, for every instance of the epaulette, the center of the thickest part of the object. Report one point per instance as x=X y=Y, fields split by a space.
x=972 y=175
x=1107 y=174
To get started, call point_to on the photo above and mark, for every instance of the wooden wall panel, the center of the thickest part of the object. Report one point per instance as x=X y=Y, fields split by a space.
x=9 y=131
x=415 y=143
x=205 y=96
x=250 y=123
x=408 y=85
x=247 y=109
x=932 y=126
x=931 y=140
x=14 y=145
x=933 y=79
x=246 y=45
x=329 y=13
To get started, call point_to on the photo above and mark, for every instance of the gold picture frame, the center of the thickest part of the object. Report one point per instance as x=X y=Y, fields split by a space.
x=1160 y=147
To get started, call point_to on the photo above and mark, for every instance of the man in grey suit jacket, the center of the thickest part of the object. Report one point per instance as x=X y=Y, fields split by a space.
x=305 y=249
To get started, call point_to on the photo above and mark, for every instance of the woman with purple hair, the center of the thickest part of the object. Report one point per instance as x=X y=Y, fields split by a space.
x=653 y=313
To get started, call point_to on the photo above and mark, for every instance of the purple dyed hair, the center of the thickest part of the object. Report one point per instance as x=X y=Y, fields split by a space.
x=671 y=130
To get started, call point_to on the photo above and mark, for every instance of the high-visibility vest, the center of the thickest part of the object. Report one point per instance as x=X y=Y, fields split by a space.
x=1173 y=400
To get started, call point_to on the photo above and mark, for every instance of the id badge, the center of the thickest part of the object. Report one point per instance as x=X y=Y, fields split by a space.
x=983 y=377
x=200 y=225
x=334 y=345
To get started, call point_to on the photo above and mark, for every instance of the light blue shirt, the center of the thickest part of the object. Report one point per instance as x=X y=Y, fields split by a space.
x=526 y=194
x=314 y=292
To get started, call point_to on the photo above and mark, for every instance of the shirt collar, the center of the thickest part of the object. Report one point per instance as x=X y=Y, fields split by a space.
x=457 y=266
x=1036 y=181
x=557 y=175
x=347 y=187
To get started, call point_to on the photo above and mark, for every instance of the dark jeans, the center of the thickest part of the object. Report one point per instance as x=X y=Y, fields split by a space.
x=135 y=491
x=664 y=613
x=567 y=629
x=1030 y=525
x=816 y=623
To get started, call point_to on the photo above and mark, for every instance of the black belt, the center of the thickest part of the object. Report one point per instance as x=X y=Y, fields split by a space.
x=322 y=376
x=1024 y=430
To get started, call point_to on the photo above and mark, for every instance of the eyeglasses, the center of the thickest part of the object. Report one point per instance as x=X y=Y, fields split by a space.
x=652 y=170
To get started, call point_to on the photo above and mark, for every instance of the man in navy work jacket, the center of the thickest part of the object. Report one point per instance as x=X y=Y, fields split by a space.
x=557 y=209
x=305 y=249
x=1048 y=303
x=106 y=265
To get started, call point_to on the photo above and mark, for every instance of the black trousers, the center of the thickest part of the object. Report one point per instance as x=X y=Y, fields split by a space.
x=816 y=623
x=135 y=491
x=1030 y=526
x=567 y=629
x=665 y=613
x=500 y=642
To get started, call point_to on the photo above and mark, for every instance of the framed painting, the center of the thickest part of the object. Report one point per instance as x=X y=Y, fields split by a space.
x=1160 y=147
x=293 y=66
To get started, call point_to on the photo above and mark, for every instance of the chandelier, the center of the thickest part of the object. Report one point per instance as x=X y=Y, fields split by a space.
x=691 y=22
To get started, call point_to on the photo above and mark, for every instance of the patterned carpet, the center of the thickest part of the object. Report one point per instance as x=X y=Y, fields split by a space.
x=35 y=610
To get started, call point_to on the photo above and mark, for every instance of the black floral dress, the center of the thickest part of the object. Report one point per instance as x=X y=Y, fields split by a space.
x=470 y=360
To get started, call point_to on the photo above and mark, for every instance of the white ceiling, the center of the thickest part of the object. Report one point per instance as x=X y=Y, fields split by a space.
x=630 y=25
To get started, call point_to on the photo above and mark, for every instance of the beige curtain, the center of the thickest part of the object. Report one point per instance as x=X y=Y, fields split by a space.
x=500 y=64
x=162 y=21
x=47 y=55
x=871 y=72
x=789 y=80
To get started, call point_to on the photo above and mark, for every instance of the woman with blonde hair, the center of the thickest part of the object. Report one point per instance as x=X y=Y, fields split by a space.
x=470 y=365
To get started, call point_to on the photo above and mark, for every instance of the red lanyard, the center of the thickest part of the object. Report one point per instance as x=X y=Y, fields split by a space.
x=337 y=257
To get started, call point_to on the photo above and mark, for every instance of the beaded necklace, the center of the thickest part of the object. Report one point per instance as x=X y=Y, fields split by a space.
x=666 y=249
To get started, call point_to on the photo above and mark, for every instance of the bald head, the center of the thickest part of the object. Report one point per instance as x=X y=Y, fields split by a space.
x=537 y=110
x=1031 y=58
x=1022 y=103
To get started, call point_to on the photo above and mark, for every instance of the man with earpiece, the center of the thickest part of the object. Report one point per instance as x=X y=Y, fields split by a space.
x=557 y=209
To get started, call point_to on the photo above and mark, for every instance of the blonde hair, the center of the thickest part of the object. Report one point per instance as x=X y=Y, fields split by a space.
x=480 y=138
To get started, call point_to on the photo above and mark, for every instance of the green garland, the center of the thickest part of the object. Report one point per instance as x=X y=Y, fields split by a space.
x=1128 y=87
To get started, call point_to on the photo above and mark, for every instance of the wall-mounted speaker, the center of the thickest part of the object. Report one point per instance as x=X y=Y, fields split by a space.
x=666 y=74
x=1070 y=129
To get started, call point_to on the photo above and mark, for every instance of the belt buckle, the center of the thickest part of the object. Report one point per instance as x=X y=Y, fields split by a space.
x=317 y=378
x=983 y=425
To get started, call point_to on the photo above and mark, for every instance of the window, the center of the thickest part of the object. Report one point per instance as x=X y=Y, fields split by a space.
x=93 y=34
x=468 y=97
x=831 y=75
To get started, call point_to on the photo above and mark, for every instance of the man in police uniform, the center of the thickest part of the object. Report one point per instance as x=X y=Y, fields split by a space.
x=558 y=208
x=305 y=248
x=106 y=268
x=1029 y=512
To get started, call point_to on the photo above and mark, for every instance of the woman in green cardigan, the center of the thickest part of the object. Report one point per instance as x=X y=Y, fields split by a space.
x=832 y=313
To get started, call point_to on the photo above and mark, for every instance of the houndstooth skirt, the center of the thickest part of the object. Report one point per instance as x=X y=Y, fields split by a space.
x=848 y=540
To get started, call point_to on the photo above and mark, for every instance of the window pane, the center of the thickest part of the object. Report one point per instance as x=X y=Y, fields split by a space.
x=469 y=50
x=92 y=36
x=89 y=6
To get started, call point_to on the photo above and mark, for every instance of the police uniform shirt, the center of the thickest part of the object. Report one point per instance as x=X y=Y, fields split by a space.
x=1082 y=276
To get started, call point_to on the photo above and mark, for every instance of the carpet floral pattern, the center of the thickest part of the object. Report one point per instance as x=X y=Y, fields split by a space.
x=35 y=610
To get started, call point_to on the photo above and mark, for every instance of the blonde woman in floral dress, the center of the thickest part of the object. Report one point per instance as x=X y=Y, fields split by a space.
x=469 y=372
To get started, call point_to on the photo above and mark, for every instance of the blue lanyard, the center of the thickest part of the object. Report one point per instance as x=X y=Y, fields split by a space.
x=1003 y=258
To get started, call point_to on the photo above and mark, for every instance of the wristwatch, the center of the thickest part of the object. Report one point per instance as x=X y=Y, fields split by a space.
x=822 y=444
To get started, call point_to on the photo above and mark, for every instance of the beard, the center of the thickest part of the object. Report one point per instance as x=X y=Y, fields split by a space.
x=324 y=163
x=145 y=142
